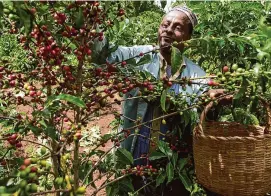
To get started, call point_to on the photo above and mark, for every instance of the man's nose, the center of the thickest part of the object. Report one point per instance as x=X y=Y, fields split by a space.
x=169 y=29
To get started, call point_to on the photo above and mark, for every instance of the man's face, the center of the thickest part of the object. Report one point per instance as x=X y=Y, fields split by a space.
x=174 y=27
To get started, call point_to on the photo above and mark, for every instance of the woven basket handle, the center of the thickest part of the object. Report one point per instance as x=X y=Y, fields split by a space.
x=228 y=101
x=267 y=129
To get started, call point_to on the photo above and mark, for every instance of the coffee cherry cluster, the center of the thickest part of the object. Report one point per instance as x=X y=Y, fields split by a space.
x=121 y=12
x=13 y=28
x=212 y=83
x=14 y=140
x=47 y=48
x=126 y=133
x=116 y=141
x=29 y=173
x=167 y=83
x=82 y=51
x=59 y=17
x=140 y=170
x=8 y=79
x=77 y=136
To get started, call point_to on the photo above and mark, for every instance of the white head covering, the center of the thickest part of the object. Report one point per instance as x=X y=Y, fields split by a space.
x=192 y=17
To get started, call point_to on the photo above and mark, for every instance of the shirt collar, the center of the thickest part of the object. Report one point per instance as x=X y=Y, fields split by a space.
x=163 y=68
x=163 y=63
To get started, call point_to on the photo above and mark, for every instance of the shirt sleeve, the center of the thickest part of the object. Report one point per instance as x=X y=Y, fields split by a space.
x=200 y=85
x=123 y=53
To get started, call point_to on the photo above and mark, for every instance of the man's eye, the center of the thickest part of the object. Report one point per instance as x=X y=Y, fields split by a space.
x=178 y=28
x=164 y=26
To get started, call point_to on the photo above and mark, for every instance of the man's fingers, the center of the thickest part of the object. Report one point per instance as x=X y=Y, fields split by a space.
x=215 y=93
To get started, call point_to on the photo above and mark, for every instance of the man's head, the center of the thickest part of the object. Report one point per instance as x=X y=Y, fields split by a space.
x=177 y=25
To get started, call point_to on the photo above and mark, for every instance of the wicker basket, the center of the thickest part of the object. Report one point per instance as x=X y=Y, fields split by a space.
x=233 y=159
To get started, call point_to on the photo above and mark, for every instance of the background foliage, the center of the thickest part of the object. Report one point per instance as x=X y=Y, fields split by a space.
x=235 y=34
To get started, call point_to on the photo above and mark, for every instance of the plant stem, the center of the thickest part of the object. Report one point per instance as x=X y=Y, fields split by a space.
x=143 y=187
x=171 y=114
x=77 y=121
x=55 y=161
x=9 y=118
x=94 y=166
x=54 y=144
x=2 y=158
x=52 y=191
x=38 y=144
x=99 y=178
x=76 y=165
x=115 y=180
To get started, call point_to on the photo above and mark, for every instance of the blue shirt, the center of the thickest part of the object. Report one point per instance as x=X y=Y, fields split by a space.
x=135 y=108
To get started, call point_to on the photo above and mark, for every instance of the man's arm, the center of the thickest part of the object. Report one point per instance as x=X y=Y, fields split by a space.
x=123 y=53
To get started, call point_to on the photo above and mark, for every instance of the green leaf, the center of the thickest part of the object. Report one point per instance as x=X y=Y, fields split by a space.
x=106 y=137
x=124 y=157
x=49 y=100
x=43 y=123
x=25 y=17
x=160 y=178
x=263 y=80
x=186 y=181
x=82 y=172
x=34 y=129
x=174 y=158
x=170 y=172
x=120 y=187
x=145 y=59
x=4 y=181
x=117 y=25
x=186 y=117
x=45 y=113
x=156 y=155
x=1 y=9
x=72 y=99
x=241 y=48
x=50 y=131
x=131 y=62
x=176 y=59
x=145 y=75
x=164 y=148
x=111 y=190
x=262 y=54
x=181 y=163
x=163 y=99
x=242 y=90
x=244 y=117
x=113 y=49
x=126 y=184
x=256 y=69
x=80 y=19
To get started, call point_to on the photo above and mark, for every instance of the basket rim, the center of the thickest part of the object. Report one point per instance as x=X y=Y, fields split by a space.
x=258 y=137
x=253 y=137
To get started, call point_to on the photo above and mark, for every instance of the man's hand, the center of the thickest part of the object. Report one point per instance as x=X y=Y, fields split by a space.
x=213 y=93
x=216 y=93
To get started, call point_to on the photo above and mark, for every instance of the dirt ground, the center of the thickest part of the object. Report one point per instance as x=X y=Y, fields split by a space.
x=103 y=123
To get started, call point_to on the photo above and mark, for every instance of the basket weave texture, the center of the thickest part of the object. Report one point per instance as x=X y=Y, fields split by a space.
x=232 y=159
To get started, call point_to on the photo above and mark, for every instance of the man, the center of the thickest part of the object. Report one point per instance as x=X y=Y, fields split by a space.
x=177 y=25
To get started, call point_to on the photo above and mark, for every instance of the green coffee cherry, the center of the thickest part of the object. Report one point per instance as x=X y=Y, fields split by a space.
x=23 y=184
x=81 y=190
x=43 y=150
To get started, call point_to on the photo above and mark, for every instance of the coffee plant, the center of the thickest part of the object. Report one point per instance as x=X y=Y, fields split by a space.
x=70 y=83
